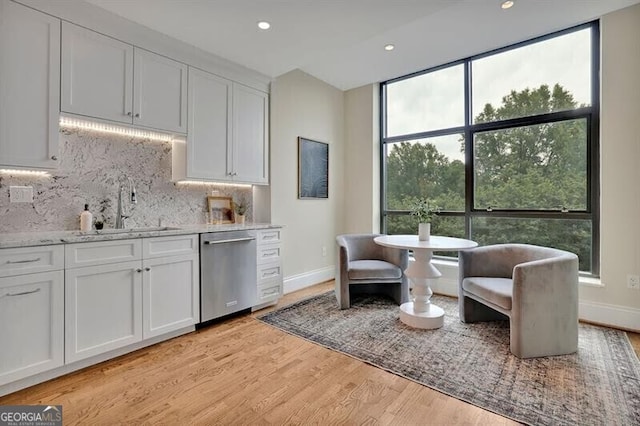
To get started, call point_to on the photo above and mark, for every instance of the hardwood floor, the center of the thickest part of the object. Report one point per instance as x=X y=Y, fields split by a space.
x=245 y=372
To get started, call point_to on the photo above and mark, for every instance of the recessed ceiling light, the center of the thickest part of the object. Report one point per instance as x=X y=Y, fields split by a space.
x=389 y=47
x=507 y=4
x=264 y=25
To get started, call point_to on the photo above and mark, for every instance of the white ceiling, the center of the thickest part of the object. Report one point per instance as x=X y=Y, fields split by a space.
x=341 y=41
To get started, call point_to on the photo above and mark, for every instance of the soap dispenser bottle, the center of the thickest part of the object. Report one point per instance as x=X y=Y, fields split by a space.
x=86 y=219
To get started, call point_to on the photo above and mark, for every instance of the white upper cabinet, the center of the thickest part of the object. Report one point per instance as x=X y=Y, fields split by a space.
x=227 y=137
x=160 y=92
x=97 y=75
x=250 y=135
x=111 y=80
x=209 y=126
x=29 y=87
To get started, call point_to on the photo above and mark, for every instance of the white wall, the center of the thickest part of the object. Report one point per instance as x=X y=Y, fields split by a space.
x=620 y=168
x=302 y=105
x=362 y=159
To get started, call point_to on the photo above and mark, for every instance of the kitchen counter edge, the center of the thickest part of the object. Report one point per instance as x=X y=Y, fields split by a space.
x=32 y=239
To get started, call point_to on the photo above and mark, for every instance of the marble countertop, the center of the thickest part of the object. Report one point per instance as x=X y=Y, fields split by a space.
x=40 y=238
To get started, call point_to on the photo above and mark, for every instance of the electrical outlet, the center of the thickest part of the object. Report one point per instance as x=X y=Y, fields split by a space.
x=324 y=251
x=21 y=194
x=633 y=281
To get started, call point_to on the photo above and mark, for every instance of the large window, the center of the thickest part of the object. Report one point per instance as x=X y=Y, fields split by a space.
x=505 y=144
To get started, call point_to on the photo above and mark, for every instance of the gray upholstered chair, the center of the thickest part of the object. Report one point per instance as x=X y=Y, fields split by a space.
x=366 y=267
x=536 y=288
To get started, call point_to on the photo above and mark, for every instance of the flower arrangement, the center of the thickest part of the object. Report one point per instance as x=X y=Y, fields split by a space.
x=240 y=207
x=420 y=209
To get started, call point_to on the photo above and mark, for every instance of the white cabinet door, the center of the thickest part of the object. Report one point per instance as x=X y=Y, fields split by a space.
x=250 y=135
x=209 y=126
x=171 y=294
x=160 y=92
x=29 y=87
x=31 y=324
x=97 y=75
x=103 y=309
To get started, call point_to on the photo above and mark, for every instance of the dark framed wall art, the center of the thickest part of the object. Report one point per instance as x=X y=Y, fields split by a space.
x=313 y=169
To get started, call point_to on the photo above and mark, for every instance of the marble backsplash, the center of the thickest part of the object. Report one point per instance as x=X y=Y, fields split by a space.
x=92 y=165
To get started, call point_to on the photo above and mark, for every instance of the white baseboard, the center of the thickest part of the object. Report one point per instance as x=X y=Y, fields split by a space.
x=445 y=286
x=611 y=315
x=307 y=279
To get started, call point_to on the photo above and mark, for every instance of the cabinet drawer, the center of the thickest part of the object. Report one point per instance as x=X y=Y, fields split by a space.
x=27 y=260
x=269 y=236
x=174 y=245
x=269 y=253
x=269 y=291
x=102 y=253
x=269 y=271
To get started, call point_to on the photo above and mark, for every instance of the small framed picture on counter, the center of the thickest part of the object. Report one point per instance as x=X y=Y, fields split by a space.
x=220 y=209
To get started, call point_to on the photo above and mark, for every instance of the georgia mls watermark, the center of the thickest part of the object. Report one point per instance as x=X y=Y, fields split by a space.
x=30 y=415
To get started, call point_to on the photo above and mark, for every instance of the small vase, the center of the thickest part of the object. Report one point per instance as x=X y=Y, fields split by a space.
x=424 y=231
x=240 y=219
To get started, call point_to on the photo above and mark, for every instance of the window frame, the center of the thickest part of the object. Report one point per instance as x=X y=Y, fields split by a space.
x=591 y=114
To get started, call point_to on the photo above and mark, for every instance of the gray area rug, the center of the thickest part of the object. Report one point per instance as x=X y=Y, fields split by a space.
x=599 y=385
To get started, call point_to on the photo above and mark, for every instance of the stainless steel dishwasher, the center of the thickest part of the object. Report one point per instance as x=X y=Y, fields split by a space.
x=228 y=280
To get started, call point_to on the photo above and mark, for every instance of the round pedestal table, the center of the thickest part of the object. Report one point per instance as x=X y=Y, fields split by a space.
x=421 y=313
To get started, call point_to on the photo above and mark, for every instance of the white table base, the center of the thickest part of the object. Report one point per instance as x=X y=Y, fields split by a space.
x=421 y=313
x=433 y=318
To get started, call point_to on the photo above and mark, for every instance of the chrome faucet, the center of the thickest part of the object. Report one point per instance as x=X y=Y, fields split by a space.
x=120 y=216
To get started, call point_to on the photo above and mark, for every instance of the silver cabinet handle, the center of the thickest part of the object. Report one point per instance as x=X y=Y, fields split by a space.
x=13 y=262
x=233 y=240
x=270 y=253
x=24 y=293
x=54 y=158
x=270 y=274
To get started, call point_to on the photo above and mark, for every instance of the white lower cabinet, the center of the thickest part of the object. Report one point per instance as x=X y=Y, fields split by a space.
x=31 y=324
x=103 y=309
x=171 y=297
x=269 y=259
x=60 y=304
x=115 y=304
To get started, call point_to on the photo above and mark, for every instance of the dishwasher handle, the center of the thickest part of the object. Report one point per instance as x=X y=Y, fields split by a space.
x=231 y=240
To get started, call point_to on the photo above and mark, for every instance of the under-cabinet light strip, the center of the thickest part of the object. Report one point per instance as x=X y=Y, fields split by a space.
x=36 y=173
x=199 y=182
x=114 y=129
